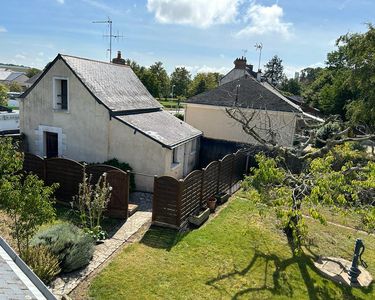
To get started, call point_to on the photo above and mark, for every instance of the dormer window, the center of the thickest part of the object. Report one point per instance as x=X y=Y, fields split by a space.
x=60 y=93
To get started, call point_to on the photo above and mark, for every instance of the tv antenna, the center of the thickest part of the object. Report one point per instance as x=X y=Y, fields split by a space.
x=110 y=35
x=259 y=46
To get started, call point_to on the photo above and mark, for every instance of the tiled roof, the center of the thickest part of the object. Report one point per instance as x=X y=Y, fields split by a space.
x=161 y=127
x=246 y=93
x=116 y=86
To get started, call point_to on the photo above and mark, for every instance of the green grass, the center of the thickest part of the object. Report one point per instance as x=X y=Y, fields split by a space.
x=237 y=255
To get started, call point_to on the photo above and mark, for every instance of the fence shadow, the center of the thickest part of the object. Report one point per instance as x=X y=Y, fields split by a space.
x=162 y=238
x=278 y=284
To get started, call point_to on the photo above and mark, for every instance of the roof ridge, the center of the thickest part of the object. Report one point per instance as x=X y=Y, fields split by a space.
x=93 y=60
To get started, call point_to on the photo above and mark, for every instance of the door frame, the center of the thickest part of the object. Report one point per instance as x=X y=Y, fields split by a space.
x=42 y=143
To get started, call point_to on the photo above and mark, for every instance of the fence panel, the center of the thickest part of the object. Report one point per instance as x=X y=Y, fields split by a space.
x=226 y=173
x=34 y=164
x=239 y=166
x=166 y=201
x=210 y=180
x=118 y=204
x=191 y=194
x=68 y=173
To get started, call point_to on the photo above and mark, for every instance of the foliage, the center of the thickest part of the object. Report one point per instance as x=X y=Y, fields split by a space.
x=181 y=79
x=72 y=246
x=331 y=180
x=162 y=88
x=15 y=87
x=32 y=71
x=29 y=204
x=43 y=262
x=326 y=132
x=179 y=115
x=274 y=70
x=291 y=86
x=203 y=82
x=114 y=162
x=3 y=94
x=92 y=201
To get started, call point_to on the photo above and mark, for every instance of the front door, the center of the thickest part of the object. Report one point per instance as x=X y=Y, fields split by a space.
x=51 y=145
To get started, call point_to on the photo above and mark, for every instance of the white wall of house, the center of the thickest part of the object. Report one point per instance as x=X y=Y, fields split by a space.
x=214 y=122
x=233 y=75
x=83 y=127
x=9 y=121
x=86 y=132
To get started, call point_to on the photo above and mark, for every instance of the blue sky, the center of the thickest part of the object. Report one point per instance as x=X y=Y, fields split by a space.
x=203 y=35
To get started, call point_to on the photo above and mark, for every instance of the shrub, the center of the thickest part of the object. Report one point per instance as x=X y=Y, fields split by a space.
x=69 y=243
x=179 y=116
x=43 y=262
x=122 y=166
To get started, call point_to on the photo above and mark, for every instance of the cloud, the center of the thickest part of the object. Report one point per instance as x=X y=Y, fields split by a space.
x=265 y=20
x=102 y=6
x=3 y=29
x=198 y=13
x=291 y=70
x=204 y=69
x=20 y=56
x=61 y=1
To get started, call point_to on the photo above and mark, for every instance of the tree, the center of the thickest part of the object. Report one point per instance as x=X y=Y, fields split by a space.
x=3 y=95
x=291 y=86
x=24 y=197
x=203 y=82
x=181 y=79
x=32 y=71
x=15 y=87
x=162 y=82
x=274 y=70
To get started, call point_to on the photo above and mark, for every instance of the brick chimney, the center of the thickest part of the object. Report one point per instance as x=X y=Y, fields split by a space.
x=118 y=60
x=240 y=63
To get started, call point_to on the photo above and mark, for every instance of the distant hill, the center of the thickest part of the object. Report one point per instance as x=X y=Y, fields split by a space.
x=16 y=68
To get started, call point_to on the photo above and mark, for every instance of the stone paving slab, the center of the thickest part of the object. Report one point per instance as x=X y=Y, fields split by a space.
x=337 y=270
x=65 y=283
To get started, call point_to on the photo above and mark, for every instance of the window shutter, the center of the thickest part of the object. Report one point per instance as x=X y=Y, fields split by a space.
x=64 y=94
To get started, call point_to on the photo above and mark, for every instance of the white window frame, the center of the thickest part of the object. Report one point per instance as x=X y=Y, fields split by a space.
x=55 y=99
x=175 y=160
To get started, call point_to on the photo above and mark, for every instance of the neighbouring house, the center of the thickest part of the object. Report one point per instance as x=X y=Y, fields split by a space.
x=93 y=111
x=9 y=121
x=8 y=76
x=275 y=117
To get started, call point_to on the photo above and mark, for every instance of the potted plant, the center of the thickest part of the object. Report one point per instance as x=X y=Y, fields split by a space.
x=199 y=217
x=222 y=197
x=211 y=203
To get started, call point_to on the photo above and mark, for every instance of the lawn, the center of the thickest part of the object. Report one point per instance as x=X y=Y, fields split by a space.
x=237 y=255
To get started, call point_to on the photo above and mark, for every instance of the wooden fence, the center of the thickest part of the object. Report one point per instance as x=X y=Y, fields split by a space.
x=175 y=200
x=69 y=174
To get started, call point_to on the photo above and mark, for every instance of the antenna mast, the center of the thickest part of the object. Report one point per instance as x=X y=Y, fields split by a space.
x=259 y=46
x=110 y=35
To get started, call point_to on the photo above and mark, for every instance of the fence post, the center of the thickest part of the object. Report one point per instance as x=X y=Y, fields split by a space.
x=153 y=198
x=201 y=189
x=179 y=200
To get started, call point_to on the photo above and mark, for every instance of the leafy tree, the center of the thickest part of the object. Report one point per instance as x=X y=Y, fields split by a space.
x=308 y=75
x=181 y=79
x=162 y=82
x=203 y=82
x=274 y=70
x=291 y=86
x=15 y=87
x=3 y=94
x=23 y=197
x=32 y=71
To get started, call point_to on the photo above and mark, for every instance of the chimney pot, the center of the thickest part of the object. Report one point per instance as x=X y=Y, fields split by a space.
x=118 y=60
x=240 y=63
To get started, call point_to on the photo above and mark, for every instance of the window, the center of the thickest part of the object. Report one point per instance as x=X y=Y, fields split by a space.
x=60 y=90
x=175 y=156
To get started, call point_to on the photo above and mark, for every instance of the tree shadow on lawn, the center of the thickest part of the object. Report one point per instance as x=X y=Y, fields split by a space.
x=279 y=284
x=163 y=238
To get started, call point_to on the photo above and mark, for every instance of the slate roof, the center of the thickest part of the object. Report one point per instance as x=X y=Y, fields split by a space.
x=251 y=94
x=14 y=75
x=162 y=127
x=116 y=86
x=34 y=78
x=4 y=74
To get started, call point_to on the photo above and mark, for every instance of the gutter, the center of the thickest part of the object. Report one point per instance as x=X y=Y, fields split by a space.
x=27 y=271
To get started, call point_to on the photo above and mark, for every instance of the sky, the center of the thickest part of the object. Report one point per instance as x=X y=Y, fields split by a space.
x=201 y=35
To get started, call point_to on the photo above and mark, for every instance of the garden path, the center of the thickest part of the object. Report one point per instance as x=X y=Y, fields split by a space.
x=65 y=283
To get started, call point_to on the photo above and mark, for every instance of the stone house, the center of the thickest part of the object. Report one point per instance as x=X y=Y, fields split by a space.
x=94 y=111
